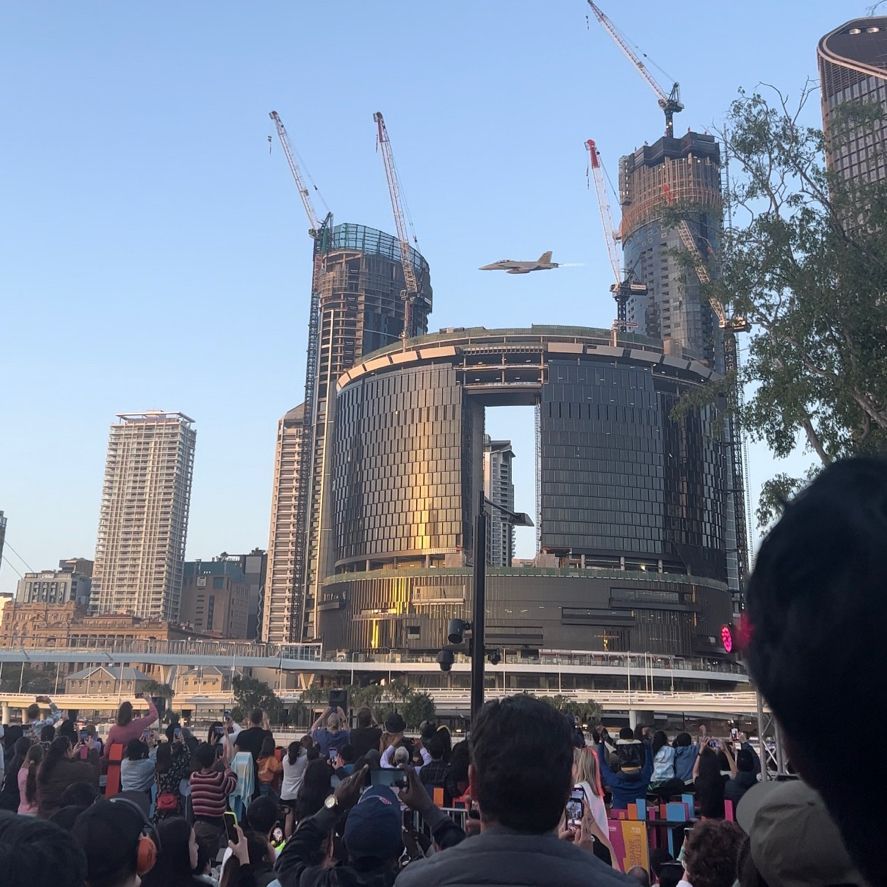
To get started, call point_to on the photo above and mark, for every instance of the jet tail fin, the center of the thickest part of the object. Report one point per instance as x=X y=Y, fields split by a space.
x=545 y=258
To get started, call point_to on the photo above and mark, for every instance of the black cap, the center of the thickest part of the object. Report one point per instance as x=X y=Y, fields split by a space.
x=109 y=835
x=394 y=723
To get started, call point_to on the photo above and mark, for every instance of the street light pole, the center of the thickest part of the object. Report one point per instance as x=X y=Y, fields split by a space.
x=478 y=618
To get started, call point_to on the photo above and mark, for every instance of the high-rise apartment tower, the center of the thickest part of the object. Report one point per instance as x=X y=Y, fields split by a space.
x=685 y=172
x=853 y=69
x=499 y=489
x=140 y=551
x=361 y=309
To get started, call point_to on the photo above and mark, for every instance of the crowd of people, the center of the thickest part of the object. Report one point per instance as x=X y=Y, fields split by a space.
x=370 y=806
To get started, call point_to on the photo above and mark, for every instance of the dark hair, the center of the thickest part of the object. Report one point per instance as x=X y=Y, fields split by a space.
x=163 y=759
x=78 y=794
x=256 y=716
x=66 y=728
x=682 y=740
x=261 y=815
x=659 y=739
x=47 y=733
x=346 y=753
x=710 y=784
x=292 y=751
x=124 y=713
x=58 y=751
x=173 y=867
x=640 y=874
x=35 y=851
x=66 y=816
x=522 y=748
x=11 y=735
x=314 y=789
x=22 y=744
x=457 y=778
x=33 y=711
x=211 y=736
x=626 y=733
x=267 y=748
x=313 y=753
x=817 y=611
x=364 y=717
x=438 y=744
x=32 y=759
x=710 y=853
x=205 y=755
x=745 y=761
x=136 y=750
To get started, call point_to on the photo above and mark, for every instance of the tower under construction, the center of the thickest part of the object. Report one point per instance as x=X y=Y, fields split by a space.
x=358 y=283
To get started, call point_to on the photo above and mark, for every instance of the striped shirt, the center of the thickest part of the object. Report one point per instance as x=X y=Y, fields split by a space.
x=209 y=792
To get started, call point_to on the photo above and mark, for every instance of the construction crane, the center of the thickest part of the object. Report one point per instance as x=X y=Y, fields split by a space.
x=730 y=327
x=319 y=232
x=670 y=102
x=410 y=293
x=623 y=286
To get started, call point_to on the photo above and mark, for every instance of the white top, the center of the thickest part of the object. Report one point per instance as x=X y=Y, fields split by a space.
x=293 y=775
x=596 y=806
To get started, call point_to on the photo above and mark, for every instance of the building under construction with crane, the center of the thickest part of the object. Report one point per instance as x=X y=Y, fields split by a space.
x=640 y=512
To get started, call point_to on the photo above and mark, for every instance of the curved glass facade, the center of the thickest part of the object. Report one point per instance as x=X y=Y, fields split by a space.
x=624 y=487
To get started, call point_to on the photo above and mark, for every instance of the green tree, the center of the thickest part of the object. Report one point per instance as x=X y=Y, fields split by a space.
x=155 y=688
x=31 y=679
x=806 y=263
x=250 y=693
x=369 y=696
x=417 y=708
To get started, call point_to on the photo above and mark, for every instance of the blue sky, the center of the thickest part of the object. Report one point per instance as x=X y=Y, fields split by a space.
x=154 y=255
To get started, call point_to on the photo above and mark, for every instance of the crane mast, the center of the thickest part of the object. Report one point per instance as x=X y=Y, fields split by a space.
x=623 y=286
x=670 y=102
x=319 y=232
x=411 y=291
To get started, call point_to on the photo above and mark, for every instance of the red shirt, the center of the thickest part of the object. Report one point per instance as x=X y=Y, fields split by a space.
x=209 y=792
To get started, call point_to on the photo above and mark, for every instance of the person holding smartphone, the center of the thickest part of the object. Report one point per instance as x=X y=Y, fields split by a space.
x=329 y=732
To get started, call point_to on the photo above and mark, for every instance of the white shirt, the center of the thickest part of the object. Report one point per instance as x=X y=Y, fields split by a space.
x=293 y=774
x=597 y=808
x=387 y=757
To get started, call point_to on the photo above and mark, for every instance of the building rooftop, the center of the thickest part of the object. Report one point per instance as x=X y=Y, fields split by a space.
x=860 y=44
x=118 y=672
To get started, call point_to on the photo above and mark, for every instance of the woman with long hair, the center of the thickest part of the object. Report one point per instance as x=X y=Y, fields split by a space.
x=172 y=766
x=10 y=796
x=27 y=781
x=314 y=789
x=59 y=770
x=586 y=777
x=178 y=856
x=709 y=782
x=294 y=763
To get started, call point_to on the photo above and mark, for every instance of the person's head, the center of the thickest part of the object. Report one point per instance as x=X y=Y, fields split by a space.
x=745 y=761
x=78 y=794
x=124 y=713
x=293 y=750
x=256 y=717
x=395 y=724
x=213 y=736
x=640 y=874
x=163 y=759
x=136 y=750
x=261 y=816
x=709 y=766
x=364 y=717
x=66 y=728
x=345 y=756
x=110 y=833
x=20 y=749
x=373 y=829
x=59 y=749
x=521 y=748
x=659 y=739
x=401 y=756
x=816 y=618
x=306 y=742
x=710 y=853
x=47 y=733
x=33 y=712
x=33 y=759
x=314 y=789
x=178 y=854
x=682 y=740
x=438 y=744
x=267 y=748
x=585 y=767
x=11 y=735
x=205 y=756
x=34 y=851
x=332 y=723
x=626 y=733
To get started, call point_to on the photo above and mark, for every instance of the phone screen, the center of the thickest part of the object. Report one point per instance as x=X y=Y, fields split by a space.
x=231 y=826
x=576 y=807
x=220 y=731
x=390 y=777
x=712 y=743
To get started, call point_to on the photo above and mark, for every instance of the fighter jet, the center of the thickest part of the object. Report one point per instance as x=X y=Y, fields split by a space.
x=543 y=263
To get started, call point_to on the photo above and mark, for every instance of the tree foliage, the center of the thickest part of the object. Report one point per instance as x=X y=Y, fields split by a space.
x=251 y=693
x=31 y=679
x=806 y=263
x=155 y=688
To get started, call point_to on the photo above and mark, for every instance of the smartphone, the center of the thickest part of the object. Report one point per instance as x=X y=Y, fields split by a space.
x=84 y=735
x=219 y=731
x=231 y=826
x=734 y=733
x=177 y=732
x=333 y=753
x=276 y=834
x=713 y=743
x=226 y=714
x=576 y=806
x=393 y=778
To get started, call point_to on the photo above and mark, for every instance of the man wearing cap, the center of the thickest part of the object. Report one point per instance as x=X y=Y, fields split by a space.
x=109 y=833
x=394 y=727
x=372 y=839
x=814 y=638
x=792 y=839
